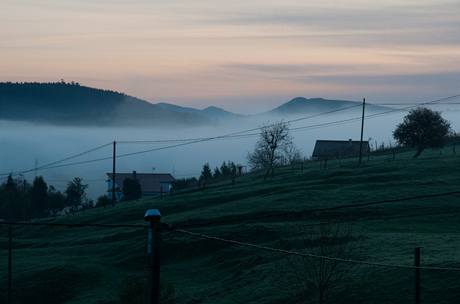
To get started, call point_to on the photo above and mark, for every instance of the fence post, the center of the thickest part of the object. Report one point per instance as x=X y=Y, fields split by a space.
x=417 y=275
x=10 y=262
x=153 y=250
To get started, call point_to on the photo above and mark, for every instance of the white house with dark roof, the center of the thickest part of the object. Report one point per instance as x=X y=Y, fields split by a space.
x=152 y=184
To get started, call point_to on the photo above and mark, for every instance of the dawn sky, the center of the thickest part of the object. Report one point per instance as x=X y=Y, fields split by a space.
x=242 y=55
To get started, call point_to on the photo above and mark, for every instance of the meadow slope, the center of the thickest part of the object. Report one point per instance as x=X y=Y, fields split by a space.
x=94 y=265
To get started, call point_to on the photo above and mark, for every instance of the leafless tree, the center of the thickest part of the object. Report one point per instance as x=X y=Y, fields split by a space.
x=271 y=148
x=315 y=277
x=291 y=155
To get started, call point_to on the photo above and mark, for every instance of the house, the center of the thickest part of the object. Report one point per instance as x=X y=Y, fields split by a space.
x=151 y=183
x=329 y=149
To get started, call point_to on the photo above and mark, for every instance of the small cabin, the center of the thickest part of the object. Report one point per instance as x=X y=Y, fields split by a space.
x=333 y=149
x=152 y=184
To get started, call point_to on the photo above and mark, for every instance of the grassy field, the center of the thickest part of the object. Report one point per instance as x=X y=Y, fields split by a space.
x=94 y=265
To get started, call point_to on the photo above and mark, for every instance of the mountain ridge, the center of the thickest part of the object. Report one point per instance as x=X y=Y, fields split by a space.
x=301 y=105
x=74 y=104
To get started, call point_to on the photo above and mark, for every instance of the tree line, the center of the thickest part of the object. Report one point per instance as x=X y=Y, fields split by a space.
x=226 y=171
x=20 y=200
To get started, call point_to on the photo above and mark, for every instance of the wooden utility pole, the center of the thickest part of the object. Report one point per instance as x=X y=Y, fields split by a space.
x=35 y=167
x=417 y=275
x=114 y=198
x=362 y=131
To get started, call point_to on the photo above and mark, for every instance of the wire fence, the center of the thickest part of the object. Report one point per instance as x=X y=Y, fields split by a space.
x=63 y=262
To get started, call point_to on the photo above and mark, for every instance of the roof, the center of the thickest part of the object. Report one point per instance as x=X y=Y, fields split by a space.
x=150 y=182
x=338 y=148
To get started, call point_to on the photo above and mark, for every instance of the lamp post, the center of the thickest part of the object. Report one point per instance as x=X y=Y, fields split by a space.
x=153 y=216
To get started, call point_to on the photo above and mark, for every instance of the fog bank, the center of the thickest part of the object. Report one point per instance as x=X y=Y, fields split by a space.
x=25 y=145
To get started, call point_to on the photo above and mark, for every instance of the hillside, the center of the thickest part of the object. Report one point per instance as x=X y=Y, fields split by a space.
x=301 y=105
x=73 y=104
x=212 y=113
x=93 y=265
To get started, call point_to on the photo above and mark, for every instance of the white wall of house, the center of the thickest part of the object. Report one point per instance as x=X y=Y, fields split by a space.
x=166 y=187
x=118 y=192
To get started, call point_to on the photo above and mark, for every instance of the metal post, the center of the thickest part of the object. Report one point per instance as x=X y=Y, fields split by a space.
x=10 y=262
x=114 y=199
x=153 y=250
x=362 y=130
x=417 y=275
x=155 y=298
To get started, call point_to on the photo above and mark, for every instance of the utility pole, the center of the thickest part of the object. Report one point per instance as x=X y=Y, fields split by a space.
x=417 y=275
x=114 y=198
x=362 y=131
x=35 y=167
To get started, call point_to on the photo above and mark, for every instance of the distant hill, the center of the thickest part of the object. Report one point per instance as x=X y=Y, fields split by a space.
x=213 y=113
x=73 y=104
x=301 y=105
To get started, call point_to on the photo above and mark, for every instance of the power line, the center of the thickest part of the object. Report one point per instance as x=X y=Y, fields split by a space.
x=240 y=134
x=338 y=122
x=304 y=118
x=411 y=105
x=59 y=161
x=182 y=142
x=414 y=103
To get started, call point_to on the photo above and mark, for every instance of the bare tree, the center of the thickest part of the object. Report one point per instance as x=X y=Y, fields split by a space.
x=291 y=155
x=271 y=148
x=316 y=277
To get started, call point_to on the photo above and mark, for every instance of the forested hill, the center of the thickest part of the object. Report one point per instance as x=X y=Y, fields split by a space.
x=64 y=103
x=74 y=104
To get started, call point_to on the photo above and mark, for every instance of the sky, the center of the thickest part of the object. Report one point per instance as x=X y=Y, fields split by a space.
x=246 y=56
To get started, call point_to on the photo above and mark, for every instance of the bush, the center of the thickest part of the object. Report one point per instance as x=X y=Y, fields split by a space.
x=131 y=189
x=103 y=201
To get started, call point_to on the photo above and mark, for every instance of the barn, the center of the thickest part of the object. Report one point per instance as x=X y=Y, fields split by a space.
x=332 y=149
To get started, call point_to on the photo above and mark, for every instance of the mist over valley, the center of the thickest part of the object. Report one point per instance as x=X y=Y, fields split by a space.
x=39 y=127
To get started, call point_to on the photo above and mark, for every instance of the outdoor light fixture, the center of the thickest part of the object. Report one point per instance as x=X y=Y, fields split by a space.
x=152 y=215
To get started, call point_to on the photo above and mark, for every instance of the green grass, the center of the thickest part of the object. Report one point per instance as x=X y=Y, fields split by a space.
x=92 y=265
